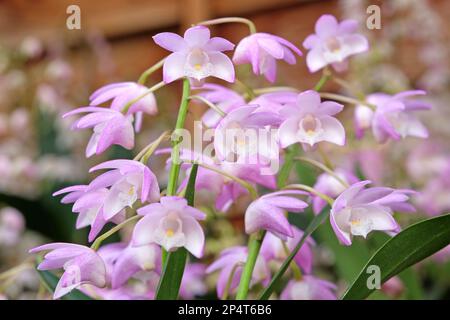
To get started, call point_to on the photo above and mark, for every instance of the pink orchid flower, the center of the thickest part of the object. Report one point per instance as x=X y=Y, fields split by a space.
x=358 y=211
x=268 y=213
x=81 y=265
x=310 y=121
x=262 y=50
x=333 y=43
x=195 y=56
x=172 y=224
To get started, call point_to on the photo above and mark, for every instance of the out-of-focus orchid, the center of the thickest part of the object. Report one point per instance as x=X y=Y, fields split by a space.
x=230 y=263
x=129 y=181
x=122 y=93
x=262 y=50
x=193 y=282
x=309 y=288
x=225 y=99
x=394 y=116
x=110 y=127
x=195 y=56
x=269 y=213
x=310 y=121
x=273 y=249
x=362 y=120
x=170 y=223
x=81 y=265
x=330 y=186
x=358 y=211
x=12 y=224
x=333 y=43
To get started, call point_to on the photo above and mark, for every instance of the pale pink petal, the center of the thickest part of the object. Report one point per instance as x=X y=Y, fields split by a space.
x=170 y=41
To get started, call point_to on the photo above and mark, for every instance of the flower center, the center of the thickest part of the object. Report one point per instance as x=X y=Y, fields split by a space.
x=171 y=224
x=333 y=44
x=198 y=65
x=310 y=125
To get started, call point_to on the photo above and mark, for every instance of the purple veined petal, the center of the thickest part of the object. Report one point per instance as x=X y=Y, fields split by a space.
x=197 y=36
x=271 y=46
x=195 y=238
x=333 y=130
x=194 y=213
x=326 y=26
x=222 y=66
x=343 y=237
x=349 y=194
x=57 y=245
x=309 y=99
x=218 y=44
x=311 y=41
x=93 y=119
x=288 y=56
x=288 y=44
x=108 y=88
x=354 y=43
x=170 y=41
x=123 y=165
x=88 y=109
x=79 y=187
x=270 y=69
x=147 y=179
x=174 y=203
x=151 y=209
x=376 y=194
x=90 y=200
x=287 y=133
x=241 y=53
x=287 y=203
x=62 y=290
x=348 y=26
x=382 y=125
x=402 y=207
x=97 y=226
x=144 y=230
x=330 y=108
x=315 y=60
x=262 y=216
x=104 y=180
x=416 y=105
x=174 y=67
x=409 y=93
x=117 y=131
x=111 y=94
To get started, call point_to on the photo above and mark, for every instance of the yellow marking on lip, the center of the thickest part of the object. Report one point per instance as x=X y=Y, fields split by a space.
x=169 y=232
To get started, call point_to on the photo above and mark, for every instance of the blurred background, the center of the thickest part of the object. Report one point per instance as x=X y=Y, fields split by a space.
x=46 y=70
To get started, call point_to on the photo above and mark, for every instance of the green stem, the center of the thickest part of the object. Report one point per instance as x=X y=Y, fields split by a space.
x=250 y=24
x=294 y=267
x=109 y=233
x=326 y=74
x=143 y=78
x=209 y=104
x=312 y=191
x=324 y=168
x=345 y=99
x=254 y=246
x=175 y=167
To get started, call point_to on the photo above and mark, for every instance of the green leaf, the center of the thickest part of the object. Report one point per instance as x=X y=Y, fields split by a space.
x=286 y=168
x=410 y=246
x=169 y=284
x=315 y=223
x=50 y=281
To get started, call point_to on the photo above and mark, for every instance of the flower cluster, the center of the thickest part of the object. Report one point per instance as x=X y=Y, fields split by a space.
x=167 y=221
